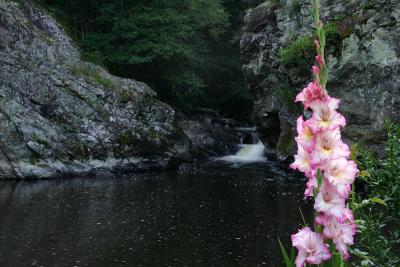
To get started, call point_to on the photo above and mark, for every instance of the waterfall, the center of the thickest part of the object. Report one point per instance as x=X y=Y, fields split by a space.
x=251 y=148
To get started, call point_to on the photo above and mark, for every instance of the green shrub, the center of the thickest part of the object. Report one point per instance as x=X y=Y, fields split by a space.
x=236 y=102
x=299 y=53
x=332 y=34
x=95 y=57
x=378 y=215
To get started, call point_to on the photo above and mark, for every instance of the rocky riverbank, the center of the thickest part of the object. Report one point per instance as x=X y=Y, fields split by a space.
x=363 y=59
x=61 y=116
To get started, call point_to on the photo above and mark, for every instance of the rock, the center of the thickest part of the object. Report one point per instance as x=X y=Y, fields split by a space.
x=362 y=55
x=210 y=135
x=60 y=116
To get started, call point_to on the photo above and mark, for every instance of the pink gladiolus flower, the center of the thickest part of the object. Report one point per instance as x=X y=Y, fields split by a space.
x=343 y=190
x=341 y=173
x=325 y=116
x=305 y=136
x=302 y=161
x=311 y=184
x=321 y=219
x=310 y=246
x=329 y=201
x=342 y=234
x=347 y=217
x=310 y=93
x=329 y=145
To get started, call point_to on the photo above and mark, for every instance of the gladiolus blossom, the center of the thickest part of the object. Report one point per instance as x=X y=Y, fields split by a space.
x=323 y=158
x=310 y=94
x=311 y=247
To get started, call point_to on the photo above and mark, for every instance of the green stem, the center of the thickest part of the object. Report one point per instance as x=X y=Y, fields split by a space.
x=323 y=77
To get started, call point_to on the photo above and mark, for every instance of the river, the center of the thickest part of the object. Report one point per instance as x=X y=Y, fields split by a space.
x=209 y=213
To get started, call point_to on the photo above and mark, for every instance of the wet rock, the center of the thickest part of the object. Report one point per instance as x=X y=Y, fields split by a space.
x=61 y=116
x=363 y=65
x=209 y=135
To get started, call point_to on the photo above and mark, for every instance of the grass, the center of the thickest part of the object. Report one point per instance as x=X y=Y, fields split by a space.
x=92 y=73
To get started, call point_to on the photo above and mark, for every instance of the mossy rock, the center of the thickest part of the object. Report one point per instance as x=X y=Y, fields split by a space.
x=125 y=97
x=127 y=138
x=285 y=145
x=34 y=159
x=301 y=52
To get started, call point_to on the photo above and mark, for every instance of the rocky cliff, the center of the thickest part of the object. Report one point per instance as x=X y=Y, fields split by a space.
x=61 y=116
x=363 y=58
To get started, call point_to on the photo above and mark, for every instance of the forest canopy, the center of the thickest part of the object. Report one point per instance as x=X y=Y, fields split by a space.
x=187 y=50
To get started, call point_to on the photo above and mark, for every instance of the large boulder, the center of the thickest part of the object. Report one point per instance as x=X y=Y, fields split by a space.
x=362 y=54
x=62 y=116
x=210 y=134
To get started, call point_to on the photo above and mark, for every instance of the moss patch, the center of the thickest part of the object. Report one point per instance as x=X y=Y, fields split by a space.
x=337 y=31
x=301 y=52
x=42 y=142
x=34 y=159
x=127 y=139
x=298 y=54
x=125 y=96
x=92 y=73
x=44 y=38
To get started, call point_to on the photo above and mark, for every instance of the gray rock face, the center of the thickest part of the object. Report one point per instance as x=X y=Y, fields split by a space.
x=363 y=66
x=211 y=135
x=61 y=116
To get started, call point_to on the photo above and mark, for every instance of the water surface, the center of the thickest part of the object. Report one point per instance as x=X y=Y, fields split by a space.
x=207 y=214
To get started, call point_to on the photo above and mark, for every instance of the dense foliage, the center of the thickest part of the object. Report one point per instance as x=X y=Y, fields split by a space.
x=186 y=50
x=378 y=213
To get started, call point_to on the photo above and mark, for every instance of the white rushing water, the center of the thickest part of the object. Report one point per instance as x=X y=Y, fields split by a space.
x=248 y=153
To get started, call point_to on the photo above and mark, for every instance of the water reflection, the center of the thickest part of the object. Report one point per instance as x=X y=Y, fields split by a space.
x=209 y=214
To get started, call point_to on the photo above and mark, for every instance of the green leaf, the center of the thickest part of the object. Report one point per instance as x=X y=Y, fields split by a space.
x=288 y=262
x=292 y=255
x=364 y=174
x=378 y=200
x=302 y=217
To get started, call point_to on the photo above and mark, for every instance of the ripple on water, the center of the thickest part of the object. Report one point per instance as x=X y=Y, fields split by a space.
x=205 y=214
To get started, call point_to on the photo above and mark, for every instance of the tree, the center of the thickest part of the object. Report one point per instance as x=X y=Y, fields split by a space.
x=184 y=49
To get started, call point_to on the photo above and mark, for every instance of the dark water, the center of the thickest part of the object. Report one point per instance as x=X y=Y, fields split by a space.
x=209 y=214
